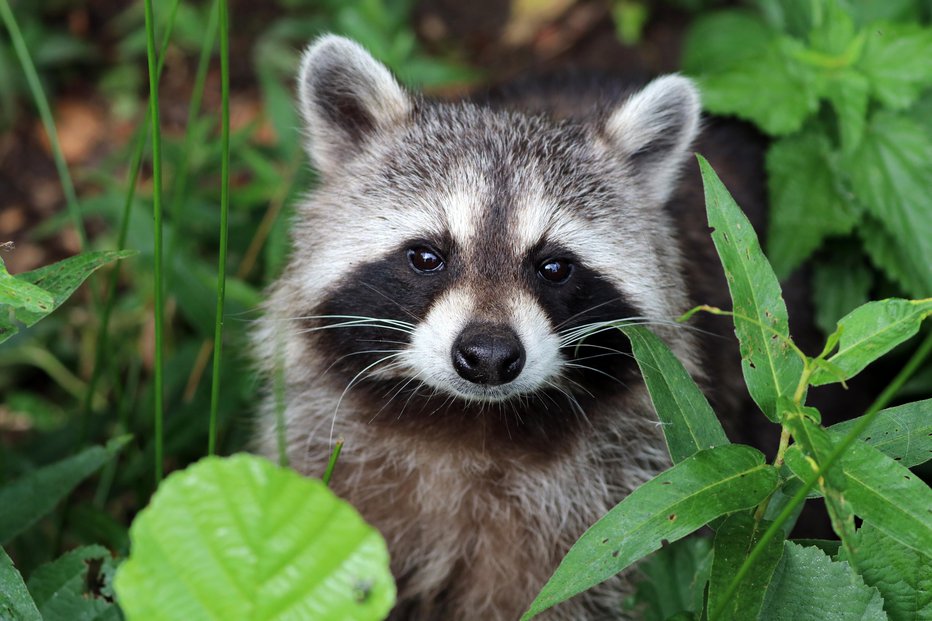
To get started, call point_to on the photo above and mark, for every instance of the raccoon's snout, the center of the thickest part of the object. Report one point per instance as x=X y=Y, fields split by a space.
x=489 y=354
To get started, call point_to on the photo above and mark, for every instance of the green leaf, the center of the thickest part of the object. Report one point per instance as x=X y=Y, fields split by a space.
x=903 y=433
x=734 y=540
x=688 y=422
x=808 y=586
x=673 y=504
x=891 y=173
x=840 y=285
x=848 y=94
x=870 y=331
x=903 y=576
x=240 y=538
x=61 y=588
x=740 y=63
x=880 y=491
x=896 y=61
x=771 y=367
x=674 y=579
x=31 y=497
x=15 y=602
x=807 y=203
x=18 y=294
x=887 y=254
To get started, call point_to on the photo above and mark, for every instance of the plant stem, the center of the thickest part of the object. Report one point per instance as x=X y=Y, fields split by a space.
x=334 y=456
x=48 y=122
x=911 y=366
x=224 y=210
x=157 y=214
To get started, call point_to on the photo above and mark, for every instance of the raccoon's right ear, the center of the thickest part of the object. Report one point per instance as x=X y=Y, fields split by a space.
x=346 y=97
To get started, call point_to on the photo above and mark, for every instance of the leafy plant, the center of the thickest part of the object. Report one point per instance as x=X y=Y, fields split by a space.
x=841 y=86
x=858 y=468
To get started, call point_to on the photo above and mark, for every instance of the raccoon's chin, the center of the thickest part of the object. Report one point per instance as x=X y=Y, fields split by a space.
x=477 y=393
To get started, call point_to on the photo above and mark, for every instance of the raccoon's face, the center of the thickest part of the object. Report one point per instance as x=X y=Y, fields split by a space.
x=456 y=257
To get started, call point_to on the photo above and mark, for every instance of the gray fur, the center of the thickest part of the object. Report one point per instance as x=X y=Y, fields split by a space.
x=473 y=532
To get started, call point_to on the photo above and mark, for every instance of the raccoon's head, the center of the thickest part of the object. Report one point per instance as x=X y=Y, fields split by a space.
x=455 y=257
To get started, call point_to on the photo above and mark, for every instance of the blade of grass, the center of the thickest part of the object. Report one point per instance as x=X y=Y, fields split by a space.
x=45 y=113
x=224 y=210
x=139 y=146
x=157 y=213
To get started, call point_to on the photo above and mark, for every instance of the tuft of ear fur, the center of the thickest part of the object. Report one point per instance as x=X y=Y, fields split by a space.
x=346 y=98
x=653 y=130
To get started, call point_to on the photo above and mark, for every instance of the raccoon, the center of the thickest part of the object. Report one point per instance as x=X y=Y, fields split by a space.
x=448 y=311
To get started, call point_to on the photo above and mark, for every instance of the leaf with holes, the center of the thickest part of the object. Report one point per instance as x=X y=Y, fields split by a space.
x=711 y=483
x=240 y=538
x=771 y=367
x=688 y=422
x=76 y=586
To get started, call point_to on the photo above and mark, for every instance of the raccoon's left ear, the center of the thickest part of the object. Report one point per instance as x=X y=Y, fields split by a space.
x=346 y=98
x=653 y=130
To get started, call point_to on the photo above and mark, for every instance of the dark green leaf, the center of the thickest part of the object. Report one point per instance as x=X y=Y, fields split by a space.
x=891 y=173
x=31 y=497
x=896 y=61
x=68 y=588
x=15 y=602
x=734 y=540
x=808 y=586
x=688 y=422
x=902 y=575
x=870 y=331
x=887 y=254
x=709 y=484
x=673 y=579
x=771 y=367
x=903 y=432
x=807 y=202
x=840 y=285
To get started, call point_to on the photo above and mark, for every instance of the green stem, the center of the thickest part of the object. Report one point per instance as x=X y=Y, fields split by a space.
x=139 y=147
x=157 y=214
x=224 y=210
x=45 y=113
x=911 y=366
x=334 y=456
x=787 y=511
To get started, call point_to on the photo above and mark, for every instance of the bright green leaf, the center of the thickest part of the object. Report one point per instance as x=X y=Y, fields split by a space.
x=896 y=61
x=903 y=432
x=15 y=602
x=880 y=491
x=673 y=579
x=808 y=586
x=870 y=331
x=18 y=294
x=891 y=173
x=61 y=588
x=807 y=202
x=240 y=538
x=903 y=576
x=688 y=422
x=676 y=502
x=734 y=540
x=771 y=367
x=31 y=497
x=848 y=94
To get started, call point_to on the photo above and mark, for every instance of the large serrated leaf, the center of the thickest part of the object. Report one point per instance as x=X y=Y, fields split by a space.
x=709 y=484
x=15 y=602
x=688 y=422
x=66 y=589
x=806 y=200
x=808 y=586
x=891 y=173
x=896 y=62
x=734 y=540
x=903 y=432
x=880 y=491
x=771 y=368
x=870 y=331
x=31 y=497
x=242 y=539
x=843 y=283
x=902 y=575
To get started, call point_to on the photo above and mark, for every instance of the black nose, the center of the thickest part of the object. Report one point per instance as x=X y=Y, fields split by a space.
x=488 y=354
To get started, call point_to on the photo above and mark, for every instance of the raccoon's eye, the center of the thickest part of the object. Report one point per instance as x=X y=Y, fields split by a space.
x=425 y=260
x=555 y=271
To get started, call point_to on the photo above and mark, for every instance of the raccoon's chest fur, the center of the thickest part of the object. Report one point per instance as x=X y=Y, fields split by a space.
x=447 y=311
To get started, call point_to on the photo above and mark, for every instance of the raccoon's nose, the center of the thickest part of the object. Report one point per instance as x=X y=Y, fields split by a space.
x=488 y=354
